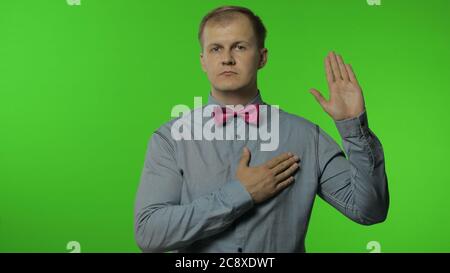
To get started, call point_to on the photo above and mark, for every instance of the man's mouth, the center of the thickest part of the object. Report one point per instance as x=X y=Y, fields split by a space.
x=228 y=73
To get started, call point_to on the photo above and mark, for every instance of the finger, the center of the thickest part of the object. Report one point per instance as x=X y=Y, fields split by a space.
x=320 y=99
x=335 y=67
x=284 y=183
x=276 y=160
x=245 y=157
x=288 y=172
x=342 y=68
x=285 y=165
x=351 y=74
x=329 y=71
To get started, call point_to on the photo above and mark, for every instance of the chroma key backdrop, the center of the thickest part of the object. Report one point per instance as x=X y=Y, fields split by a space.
x=83 y=84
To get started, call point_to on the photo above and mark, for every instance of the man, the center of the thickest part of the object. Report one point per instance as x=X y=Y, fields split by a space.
x=229 y=195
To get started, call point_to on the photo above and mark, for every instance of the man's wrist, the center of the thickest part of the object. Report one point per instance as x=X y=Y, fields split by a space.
x=353 y=127
x=239 y=196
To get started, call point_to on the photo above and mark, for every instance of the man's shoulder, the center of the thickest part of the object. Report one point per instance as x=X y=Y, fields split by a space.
x=185 y=118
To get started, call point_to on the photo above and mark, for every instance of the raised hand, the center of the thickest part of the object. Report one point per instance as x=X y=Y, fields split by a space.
x=346 y=98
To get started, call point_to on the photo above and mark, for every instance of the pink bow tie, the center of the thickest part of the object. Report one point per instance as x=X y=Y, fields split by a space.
x=250 y=113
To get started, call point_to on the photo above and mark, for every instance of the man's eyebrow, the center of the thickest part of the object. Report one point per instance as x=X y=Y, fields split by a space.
x=235 y=43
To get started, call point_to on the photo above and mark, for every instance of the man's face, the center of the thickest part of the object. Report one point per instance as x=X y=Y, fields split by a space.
x=231 y=47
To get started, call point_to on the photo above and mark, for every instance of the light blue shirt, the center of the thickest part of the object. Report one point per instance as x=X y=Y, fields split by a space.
x=189 y=199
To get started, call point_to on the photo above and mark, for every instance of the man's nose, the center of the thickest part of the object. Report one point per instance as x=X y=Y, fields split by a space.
x=228 y=59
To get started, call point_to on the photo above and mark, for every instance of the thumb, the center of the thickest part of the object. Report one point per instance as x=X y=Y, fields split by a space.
x=245 y=157
x=320 y=99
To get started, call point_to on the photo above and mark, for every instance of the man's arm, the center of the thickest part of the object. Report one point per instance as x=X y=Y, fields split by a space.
x=358 y=186
x=161 y=223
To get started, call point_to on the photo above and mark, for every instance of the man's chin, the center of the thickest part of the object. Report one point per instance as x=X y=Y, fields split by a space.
x=228 y=88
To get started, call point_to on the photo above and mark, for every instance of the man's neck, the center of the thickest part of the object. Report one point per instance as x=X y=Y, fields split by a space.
x=235 y=97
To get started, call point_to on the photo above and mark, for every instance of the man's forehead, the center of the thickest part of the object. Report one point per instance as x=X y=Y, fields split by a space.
x=229 y=29
x=230 y=35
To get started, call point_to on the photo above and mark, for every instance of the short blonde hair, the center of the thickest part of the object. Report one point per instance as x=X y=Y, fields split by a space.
x=225 y=13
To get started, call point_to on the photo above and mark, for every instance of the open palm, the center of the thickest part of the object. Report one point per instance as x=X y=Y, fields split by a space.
x=346 y=99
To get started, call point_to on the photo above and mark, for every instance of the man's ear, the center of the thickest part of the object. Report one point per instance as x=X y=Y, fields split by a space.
x=202 y=61
x=262 y=57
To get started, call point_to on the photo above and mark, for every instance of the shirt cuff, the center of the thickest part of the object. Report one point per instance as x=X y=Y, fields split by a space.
x=239 y=196
x=353 y=127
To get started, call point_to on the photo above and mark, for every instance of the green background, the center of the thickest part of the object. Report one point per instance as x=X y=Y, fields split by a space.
x=83 y=87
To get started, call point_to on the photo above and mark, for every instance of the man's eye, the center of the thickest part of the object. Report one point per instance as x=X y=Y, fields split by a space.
x=239 y=47
x=214 y=49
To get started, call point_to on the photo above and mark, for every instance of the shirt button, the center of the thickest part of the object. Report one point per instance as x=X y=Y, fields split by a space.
x=240 y=249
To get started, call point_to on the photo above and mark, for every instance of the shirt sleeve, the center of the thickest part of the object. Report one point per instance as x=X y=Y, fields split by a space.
x=161 y=222
x=357 y=185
